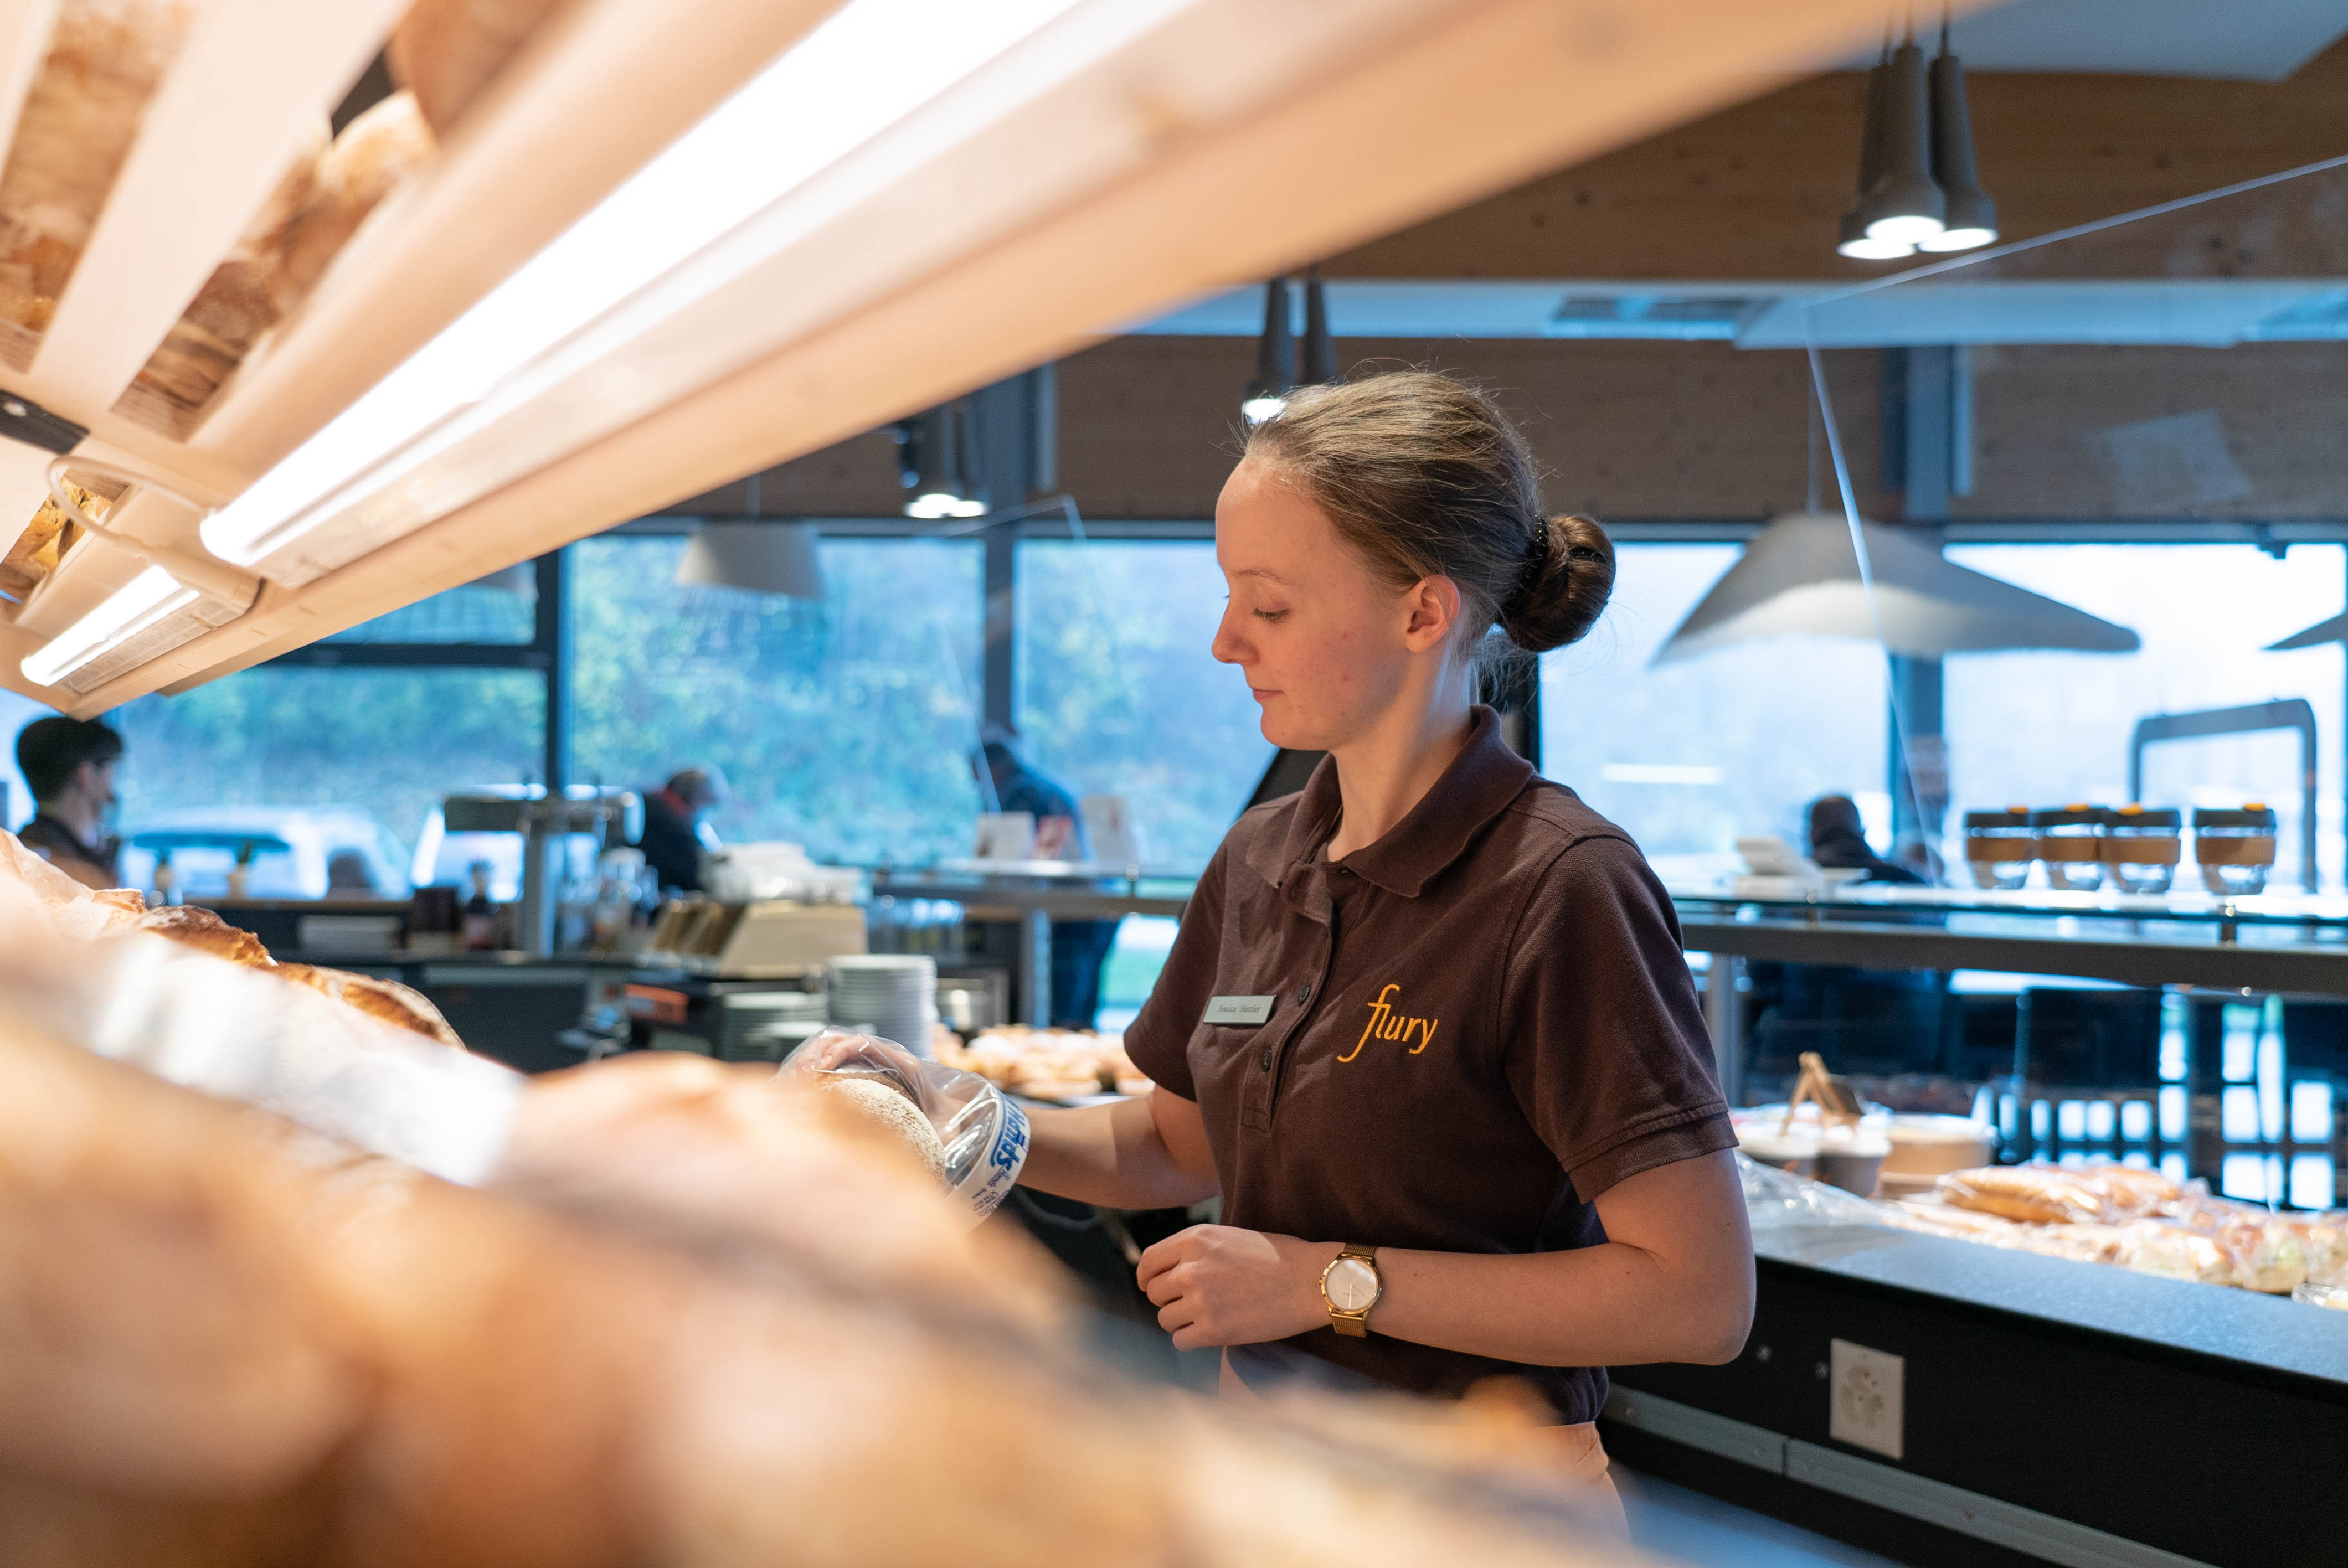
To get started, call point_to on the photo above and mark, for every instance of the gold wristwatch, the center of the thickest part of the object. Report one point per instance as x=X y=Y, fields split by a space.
x=1351 y=1286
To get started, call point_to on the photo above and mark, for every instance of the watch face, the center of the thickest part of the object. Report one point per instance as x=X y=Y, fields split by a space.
x=1352 y=1284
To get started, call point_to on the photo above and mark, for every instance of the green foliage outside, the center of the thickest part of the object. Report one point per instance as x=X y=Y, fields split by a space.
x=1118 y=693
x=395 y=742
x=845 y=726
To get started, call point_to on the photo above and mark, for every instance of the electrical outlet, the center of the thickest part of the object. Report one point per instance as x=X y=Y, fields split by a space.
x=1867 y=1391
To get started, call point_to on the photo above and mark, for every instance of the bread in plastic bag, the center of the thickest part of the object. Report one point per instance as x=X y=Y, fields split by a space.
x=982 y=1133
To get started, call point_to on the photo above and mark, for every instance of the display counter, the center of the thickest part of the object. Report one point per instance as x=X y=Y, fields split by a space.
x=2040 y=1411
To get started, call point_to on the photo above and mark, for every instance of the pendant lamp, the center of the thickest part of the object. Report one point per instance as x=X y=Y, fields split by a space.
x=939 y=488
x=1904 y=206
x=1969 y=217
x=1799 y=576
x=1320 y=348
x=1275 y=360
x=1854 y=241
x=755 y=557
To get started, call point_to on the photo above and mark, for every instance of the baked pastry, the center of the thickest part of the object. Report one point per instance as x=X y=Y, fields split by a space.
x=376 y=154
x=387 y=1002
x=191 y=926
x=238 y=304
x=80 y=120
x=2057 y=1195
x=447 y=51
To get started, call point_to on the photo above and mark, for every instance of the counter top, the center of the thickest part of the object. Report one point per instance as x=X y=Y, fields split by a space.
x=2243 y=1328
x=409 y=958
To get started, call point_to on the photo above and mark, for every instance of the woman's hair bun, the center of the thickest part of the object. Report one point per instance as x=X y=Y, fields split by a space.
x=1560 y=605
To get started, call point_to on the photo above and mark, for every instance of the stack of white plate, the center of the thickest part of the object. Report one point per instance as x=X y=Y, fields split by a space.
x=892 y=995
x=766 y=1026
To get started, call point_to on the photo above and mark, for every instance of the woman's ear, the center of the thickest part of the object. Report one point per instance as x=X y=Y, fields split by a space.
x=1432 y=606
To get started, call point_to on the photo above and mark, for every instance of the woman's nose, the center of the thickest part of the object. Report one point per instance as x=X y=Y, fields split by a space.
x=1227 y=647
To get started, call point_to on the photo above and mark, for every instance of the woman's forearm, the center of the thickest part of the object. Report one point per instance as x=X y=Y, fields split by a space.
x=1610 y=1305
x=1113 y=1155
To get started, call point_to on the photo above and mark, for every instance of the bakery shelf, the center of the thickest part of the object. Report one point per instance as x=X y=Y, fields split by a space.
x=1121 y=160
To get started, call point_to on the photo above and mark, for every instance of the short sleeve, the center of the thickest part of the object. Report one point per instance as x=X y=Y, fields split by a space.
x=1608 y=1052
x=1159 y=1038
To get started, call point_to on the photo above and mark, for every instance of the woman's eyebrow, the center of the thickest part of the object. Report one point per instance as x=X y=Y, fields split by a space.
x=1265 y=572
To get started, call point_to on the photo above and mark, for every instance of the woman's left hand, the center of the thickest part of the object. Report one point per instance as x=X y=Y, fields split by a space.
x=1218 y=1284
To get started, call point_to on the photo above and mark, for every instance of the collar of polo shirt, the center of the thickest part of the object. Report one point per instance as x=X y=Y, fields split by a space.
x=1478 y=786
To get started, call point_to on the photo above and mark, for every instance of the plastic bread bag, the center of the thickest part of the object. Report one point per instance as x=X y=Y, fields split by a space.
x=981 y=1134
x=1776 y=1199
x=244 y=1034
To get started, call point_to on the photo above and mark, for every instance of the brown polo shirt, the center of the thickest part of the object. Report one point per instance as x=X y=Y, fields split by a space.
x=1475 y=1026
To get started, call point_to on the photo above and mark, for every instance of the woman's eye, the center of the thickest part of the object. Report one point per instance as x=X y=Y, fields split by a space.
x=1275 y=616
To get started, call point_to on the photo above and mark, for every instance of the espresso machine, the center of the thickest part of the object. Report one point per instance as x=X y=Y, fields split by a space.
x=613 y=816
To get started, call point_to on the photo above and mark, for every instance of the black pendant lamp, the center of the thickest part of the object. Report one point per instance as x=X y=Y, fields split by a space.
x=1905 y=205
x=939 y=488
x=1854 y=242
x=1320 y=348
x=1970 y=217
x=1275 y=360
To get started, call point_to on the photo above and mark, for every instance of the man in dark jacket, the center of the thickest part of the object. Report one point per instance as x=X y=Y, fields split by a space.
x=68 y=765
x=1080 y=947
x=675 y=831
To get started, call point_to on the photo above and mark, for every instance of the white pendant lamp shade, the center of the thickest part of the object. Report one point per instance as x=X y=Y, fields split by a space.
x=1799 y=576
x=2333 y=630
x=758 y=557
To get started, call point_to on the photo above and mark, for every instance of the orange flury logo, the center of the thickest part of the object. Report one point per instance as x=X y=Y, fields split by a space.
x=1386 y=1022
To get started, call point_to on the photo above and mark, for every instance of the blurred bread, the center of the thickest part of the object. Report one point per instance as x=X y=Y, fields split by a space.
x=879 y=1107
x=387 y=1002
x=238 y=304
x=375 y=155
x=447 y=51
x=80 y=118
x=191 y=926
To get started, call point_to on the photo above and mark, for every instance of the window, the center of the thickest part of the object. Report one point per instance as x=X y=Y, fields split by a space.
x=1119 y=695
x=500 y=611
x=846 y=726
x=385 y=744
x=1689 y=756
x=2048 y=728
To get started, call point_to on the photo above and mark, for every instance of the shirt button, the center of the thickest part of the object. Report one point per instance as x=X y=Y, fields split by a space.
x=1304 y=993
x=1267 y=1058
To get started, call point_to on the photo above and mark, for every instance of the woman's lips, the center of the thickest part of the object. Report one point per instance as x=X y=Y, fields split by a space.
x=1262 y=695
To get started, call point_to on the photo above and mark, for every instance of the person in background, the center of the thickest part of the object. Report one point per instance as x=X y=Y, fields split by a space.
x=676 y=826
x=1839 y=840
x=68 y=765
x=1080 y=947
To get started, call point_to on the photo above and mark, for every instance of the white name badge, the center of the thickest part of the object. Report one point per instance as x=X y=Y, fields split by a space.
x=1240 y=1010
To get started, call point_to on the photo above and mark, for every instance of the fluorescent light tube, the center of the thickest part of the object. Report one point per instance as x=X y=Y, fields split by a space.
x=148 y=598
x=872 y=63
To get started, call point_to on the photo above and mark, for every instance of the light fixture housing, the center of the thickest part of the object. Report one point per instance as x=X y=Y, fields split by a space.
x=1969 y=216
x=1905 y=202
x=1856 y=244
x=755 y=557
x=571 y=324
x=941 y=487
x=148 y=615
x=1275 y=358
x=1320 y=348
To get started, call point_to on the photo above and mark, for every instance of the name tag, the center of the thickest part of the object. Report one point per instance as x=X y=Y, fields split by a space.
x=1240 y=1010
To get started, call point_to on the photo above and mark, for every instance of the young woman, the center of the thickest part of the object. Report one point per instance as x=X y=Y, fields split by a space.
x=1426 y=1026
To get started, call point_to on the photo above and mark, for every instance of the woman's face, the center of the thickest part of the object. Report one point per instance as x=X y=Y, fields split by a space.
x=1325 y=646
